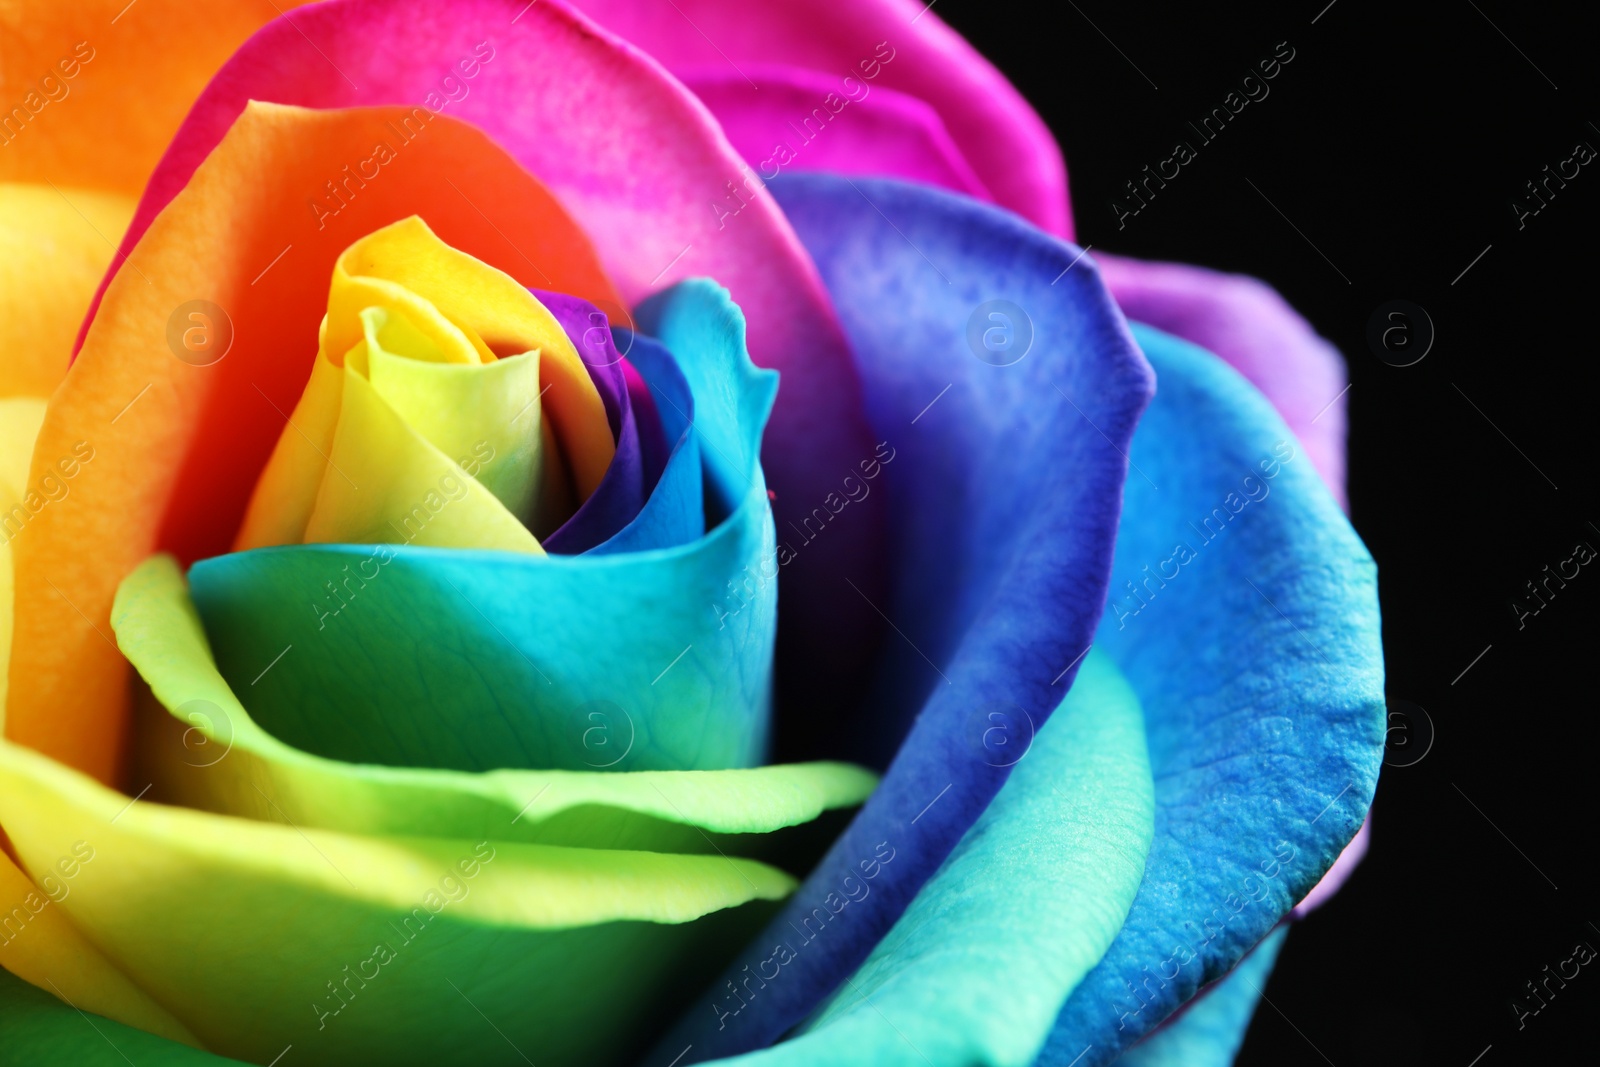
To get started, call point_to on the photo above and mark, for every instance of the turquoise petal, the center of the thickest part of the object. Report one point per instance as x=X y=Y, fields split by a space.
x=472 y=660
x=1210 y=1032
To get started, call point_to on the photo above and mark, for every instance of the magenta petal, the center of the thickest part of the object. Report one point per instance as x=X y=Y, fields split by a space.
x=1248 y=324
x=808 y=120
x=1003 y=139
x=637 y=160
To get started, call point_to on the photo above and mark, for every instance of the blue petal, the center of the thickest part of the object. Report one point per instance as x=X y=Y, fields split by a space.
x=1210 y=1032
x=674 y=513
x=1004 y=497
x=1245 y=611
x=976 y=969
x=474 y=659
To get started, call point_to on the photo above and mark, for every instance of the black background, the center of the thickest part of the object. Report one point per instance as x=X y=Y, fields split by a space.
x=1396 y=141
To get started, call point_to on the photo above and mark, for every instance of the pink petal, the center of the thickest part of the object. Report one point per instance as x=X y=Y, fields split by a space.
x=809 y=120
x=1004 y=140
x=1248 y=324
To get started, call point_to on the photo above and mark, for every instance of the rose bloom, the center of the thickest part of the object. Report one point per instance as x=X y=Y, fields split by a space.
x=627 y=532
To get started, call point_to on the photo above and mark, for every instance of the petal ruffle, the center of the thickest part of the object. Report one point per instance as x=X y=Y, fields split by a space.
x=176 y=446
x=1007 y=493
x=1266 y=743
x=907 y=46
x=1247 y=323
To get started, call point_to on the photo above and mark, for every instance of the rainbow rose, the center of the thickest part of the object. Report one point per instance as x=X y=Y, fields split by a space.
x=628 y=533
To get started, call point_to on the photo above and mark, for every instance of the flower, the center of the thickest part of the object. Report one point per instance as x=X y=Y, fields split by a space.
x=1116 y=655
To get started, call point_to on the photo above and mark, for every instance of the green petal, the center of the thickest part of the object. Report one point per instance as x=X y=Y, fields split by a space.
x=39 y=1029
x=976 y=969
x=244 y=930
x=36 y=1028
x=209 y=754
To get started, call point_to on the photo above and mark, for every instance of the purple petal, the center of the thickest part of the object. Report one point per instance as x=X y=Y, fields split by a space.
x=1254 y=329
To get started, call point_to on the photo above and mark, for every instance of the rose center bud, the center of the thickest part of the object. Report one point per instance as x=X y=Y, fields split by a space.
x=447 y=407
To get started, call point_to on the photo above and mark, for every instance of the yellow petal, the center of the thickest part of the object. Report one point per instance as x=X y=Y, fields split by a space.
x=55 y=245
x=39 y=943
x=487 y=416
x=424 y=273
x=20 y=418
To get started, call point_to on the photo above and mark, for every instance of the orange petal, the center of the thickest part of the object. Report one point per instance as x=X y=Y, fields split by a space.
x=177 y=447
x=93 y=90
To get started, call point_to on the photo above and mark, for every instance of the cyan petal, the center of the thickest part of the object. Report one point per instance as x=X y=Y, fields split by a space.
x=1210 y=1032
x=1005 y=495
x=976 y=969
x=474 y=660
x=1244 y=610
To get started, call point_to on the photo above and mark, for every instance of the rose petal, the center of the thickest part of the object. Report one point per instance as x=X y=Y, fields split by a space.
x=20 y=418
x=1266 y=744
x=1210 y=1031
x=1248 y=324
x=644 y=180
x=177 y=447
x=622 y=489
x=204 y=751
x=674 y=514
x=977 y=967
x=781 y=126
x=474 y=660
x=1007 y=486
x=42 y=946
x=1003 y=139
x=36 y=1027
x=281 y=920
x=407 y=390
x=55 y=245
